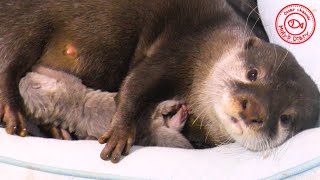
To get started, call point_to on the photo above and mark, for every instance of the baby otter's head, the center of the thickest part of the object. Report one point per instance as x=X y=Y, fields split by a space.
x=261 y=95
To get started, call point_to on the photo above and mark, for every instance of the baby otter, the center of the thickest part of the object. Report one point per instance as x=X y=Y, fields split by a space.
x=60 y=99
x=239 y=87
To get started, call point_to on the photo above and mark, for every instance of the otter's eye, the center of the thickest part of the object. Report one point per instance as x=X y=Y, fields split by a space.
x=252 y=75
x=286 y=120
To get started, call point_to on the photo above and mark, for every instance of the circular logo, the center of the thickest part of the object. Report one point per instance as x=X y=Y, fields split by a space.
x=295 y=24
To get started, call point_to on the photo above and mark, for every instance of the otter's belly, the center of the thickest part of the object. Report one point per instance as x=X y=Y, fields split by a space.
x=96 y=70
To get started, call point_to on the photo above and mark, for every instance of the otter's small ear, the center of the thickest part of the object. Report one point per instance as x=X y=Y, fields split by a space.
x=253 y=42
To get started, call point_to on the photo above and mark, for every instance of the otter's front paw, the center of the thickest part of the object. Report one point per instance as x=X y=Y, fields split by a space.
x=119 y=139
x=13 y=119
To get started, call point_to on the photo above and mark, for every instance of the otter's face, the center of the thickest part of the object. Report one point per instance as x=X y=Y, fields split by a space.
x=262 y=96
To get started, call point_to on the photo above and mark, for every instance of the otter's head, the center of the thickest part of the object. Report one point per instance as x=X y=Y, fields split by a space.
x=261 y=95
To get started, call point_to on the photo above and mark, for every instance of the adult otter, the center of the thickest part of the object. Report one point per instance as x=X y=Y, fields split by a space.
x=242 y=88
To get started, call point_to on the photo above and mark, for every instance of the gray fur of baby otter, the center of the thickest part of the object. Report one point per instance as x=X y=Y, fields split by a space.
x=61 y=99
x=55 y=97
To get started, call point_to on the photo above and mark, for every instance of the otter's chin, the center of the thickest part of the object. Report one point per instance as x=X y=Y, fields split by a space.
x=253 y=139
x=236 y=125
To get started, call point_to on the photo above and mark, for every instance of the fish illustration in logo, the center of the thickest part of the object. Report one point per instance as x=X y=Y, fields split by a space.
x=294 y=24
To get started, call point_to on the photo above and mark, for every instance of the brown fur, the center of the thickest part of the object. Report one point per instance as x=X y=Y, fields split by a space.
x=151 y=51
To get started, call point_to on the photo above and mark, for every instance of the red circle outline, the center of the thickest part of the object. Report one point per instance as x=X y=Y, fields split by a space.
x=304 y=27
x=314 y=20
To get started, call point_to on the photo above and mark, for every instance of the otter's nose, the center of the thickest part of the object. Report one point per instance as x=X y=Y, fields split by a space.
x=252 y=111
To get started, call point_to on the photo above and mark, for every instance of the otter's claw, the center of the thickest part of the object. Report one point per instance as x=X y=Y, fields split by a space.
x=14 y=120
x=119 y=140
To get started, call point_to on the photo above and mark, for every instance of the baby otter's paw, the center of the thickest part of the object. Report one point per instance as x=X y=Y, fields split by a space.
x=178 y=120
x=55 y=132
x=13 y=119
x=174 y=113
x=170 y=107
x=61 y=134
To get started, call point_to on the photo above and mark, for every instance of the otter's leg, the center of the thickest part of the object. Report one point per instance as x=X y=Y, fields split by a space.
x=148 y=84
x=18 y=53
x=11 y=106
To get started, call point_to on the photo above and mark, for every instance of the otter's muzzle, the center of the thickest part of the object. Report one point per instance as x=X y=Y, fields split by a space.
x=252 y=112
